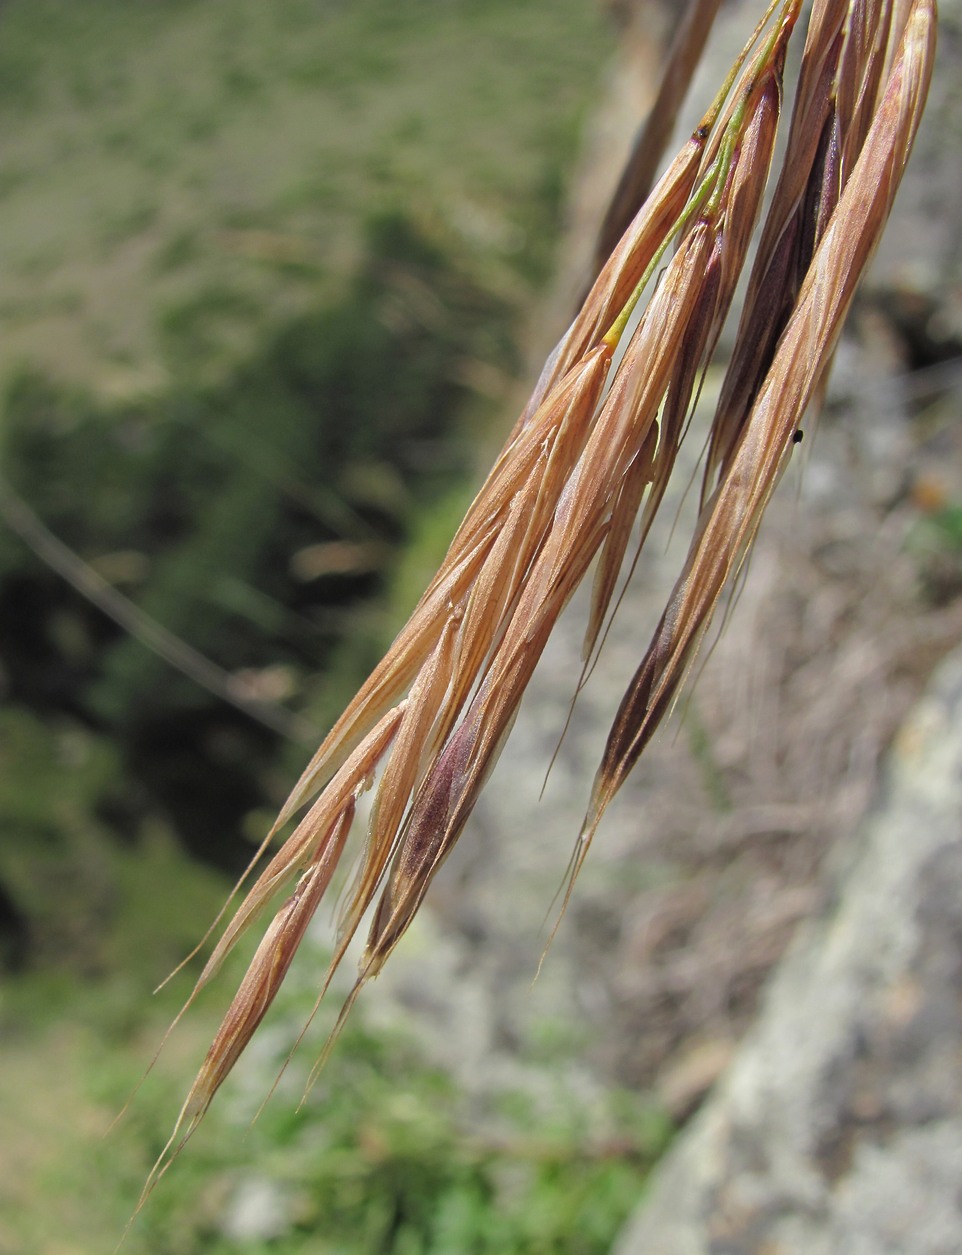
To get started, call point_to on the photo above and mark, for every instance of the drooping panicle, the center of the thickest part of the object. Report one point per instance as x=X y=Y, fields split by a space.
x=592 y=452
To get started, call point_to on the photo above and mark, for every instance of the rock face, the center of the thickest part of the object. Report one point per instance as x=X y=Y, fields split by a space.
x=839 y=1127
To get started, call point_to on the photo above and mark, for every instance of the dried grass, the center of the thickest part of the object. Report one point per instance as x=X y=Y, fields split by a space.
x=594 y=448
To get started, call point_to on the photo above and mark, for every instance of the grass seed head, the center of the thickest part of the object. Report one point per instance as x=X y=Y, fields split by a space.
x=575 y=470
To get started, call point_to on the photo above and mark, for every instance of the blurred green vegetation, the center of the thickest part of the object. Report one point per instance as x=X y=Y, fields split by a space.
x=385 y=1155
x=250 y=516
x=935 y=542
x=262 y=273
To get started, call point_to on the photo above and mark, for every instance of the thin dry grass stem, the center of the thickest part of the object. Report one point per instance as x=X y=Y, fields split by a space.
x=730 y=519
x=487 y=561
x=480 y=584
x=572 y=478
x=539 y=559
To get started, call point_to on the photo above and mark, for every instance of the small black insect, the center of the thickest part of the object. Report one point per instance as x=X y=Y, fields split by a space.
x=797 y=437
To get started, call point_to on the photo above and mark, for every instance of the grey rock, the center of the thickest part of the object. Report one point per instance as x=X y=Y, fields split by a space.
x=258 y=1210
x=839 y=1127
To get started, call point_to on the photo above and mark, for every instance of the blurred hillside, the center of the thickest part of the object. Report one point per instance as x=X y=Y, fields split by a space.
x=259 y=268
x=179 y=178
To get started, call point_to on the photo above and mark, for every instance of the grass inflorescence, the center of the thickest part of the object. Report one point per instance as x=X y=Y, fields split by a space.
x=586 y=467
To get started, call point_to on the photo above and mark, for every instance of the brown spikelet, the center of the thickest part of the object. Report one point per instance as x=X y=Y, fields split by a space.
x=257 y=991
x=593 y=450
x=555 y=427
x=311 y=838
x=720 y=270
x=416 y=738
